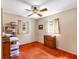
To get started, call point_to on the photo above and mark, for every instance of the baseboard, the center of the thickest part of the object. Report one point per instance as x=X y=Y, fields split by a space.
x=30 y=43
x=66 y=51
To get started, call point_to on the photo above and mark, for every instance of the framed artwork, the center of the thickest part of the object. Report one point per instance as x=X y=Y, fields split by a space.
x=40 y=27
x=23 y=27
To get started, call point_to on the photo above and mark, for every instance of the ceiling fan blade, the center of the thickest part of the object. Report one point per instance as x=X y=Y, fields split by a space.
x=28 y=9
x=39 y=14
x=30 y=14
x=42 y=10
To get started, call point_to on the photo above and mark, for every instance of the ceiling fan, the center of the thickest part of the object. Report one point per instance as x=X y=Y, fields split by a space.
x=36 y=10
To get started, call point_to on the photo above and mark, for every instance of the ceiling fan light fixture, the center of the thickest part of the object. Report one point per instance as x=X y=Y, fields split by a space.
x=36 y=10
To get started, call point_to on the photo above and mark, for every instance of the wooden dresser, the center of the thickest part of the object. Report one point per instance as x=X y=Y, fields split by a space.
x=5 y=49
x=50 y=41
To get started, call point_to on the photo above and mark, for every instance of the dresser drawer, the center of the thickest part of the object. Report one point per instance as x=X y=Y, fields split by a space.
x=50 y=41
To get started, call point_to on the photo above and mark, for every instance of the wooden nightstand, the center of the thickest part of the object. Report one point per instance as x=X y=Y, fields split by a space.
x=5 y=49
x=50 y=41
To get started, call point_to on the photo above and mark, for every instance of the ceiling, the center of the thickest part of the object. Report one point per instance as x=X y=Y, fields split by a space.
x=18 y=7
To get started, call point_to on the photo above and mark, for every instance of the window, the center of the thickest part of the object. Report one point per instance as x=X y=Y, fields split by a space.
x=23 y=27
x=50 y=27
x=53 y=27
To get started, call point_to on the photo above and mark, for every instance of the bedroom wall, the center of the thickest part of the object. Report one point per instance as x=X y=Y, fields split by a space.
x=68 y=27
x=23 y=38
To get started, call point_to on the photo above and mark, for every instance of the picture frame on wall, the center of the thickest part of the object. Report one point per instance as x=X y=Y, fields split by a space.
x=40 y=27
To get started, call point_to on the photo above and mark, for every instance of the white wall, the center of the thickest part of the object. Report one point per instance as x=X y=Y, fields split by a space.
x=68 y=28
x=40 y=33
x=23 y=38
